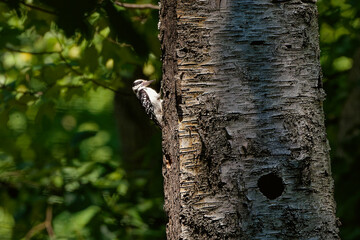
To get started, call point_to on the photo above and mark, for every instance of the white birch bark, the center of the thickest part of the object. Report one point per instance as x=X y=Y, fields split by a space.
x=243 y=110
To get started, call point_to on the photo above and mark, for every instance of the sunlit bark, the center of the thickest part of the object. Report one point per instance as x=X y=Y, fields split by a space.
x=245 y=149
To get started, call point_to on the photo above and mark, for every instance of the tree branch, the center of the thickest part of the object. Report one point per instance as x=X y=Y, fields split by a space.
x=137 y=6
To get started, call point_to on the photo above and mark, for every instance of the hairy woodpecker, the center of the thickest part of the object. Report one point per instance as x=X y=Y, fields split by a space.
x=149 y=99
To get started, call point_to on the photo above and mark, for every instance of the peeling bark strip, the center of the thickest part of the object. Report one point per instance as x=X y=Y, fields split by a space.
x=245 y=144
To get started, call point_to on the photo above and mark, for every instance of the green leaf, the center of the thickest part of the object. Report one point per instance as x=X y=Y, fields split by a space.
x=81 y=136
x=46 y=111
x=9 y=35
x=89 y=60
x=52 y=73
x=342 y=63
x=7 y=223
x=26 y=98
x=66 y=224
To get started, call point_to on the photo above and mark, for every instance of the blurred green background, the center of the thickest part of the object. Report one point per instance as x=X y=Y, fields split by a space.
x=78 y=157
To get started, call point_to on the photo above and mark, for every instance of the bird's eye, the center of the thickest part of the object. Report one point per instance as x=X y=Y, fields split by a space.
x=136 y=83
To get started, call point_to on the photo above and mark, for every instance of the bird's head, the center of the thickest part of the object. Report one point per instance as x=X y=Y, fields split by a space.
x=139 y=84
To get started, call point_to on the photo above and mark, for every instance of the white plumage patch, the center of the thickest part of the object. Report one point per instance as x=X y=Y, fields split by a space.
x=150 y=100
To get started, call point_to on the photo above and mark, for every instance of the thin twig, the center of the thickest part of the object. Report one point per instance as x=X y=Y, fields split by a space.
x=100 y=84
x=115 y=42
x=35 y=230
x=26 y=92
x=44 y=225
x=62 y=57
x=32 y=53
x=81 y=74
x=137 y=6
x=48 y=221
x=38 y=8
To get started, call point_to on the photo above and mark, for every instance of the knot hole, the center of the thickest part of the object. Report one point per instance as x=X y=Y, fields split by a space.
x=271 y=185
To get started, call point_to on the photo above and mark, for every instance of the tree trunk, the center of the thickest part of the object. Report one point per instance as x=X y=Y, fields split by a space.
x=244 y=142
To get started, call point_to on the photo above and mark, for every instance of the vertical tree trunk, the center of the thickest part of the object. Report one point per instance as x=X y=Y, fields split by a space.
x=245 y=149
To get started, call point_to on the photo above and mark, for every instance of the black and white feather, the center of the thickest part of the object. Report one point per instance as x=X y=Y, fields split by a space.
x=149 y=99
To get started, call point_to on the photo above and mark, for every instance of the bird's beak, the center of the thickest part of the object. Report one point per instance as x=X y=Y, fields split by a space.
x=147 y=83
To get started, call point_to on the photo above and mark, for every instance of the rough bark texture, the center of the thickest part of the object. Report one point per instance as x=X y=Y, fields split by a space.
x=171 y=168
x=244 y=144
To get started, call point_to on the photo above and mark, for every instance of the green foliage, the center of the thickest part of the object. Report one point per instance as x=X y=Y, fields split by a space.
x=67 y=225
x=62 y=174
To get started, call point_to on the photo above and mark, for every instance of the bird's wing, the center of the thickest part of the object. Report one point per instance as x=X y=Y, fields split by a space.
x=145 y=102
x=149 y=108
